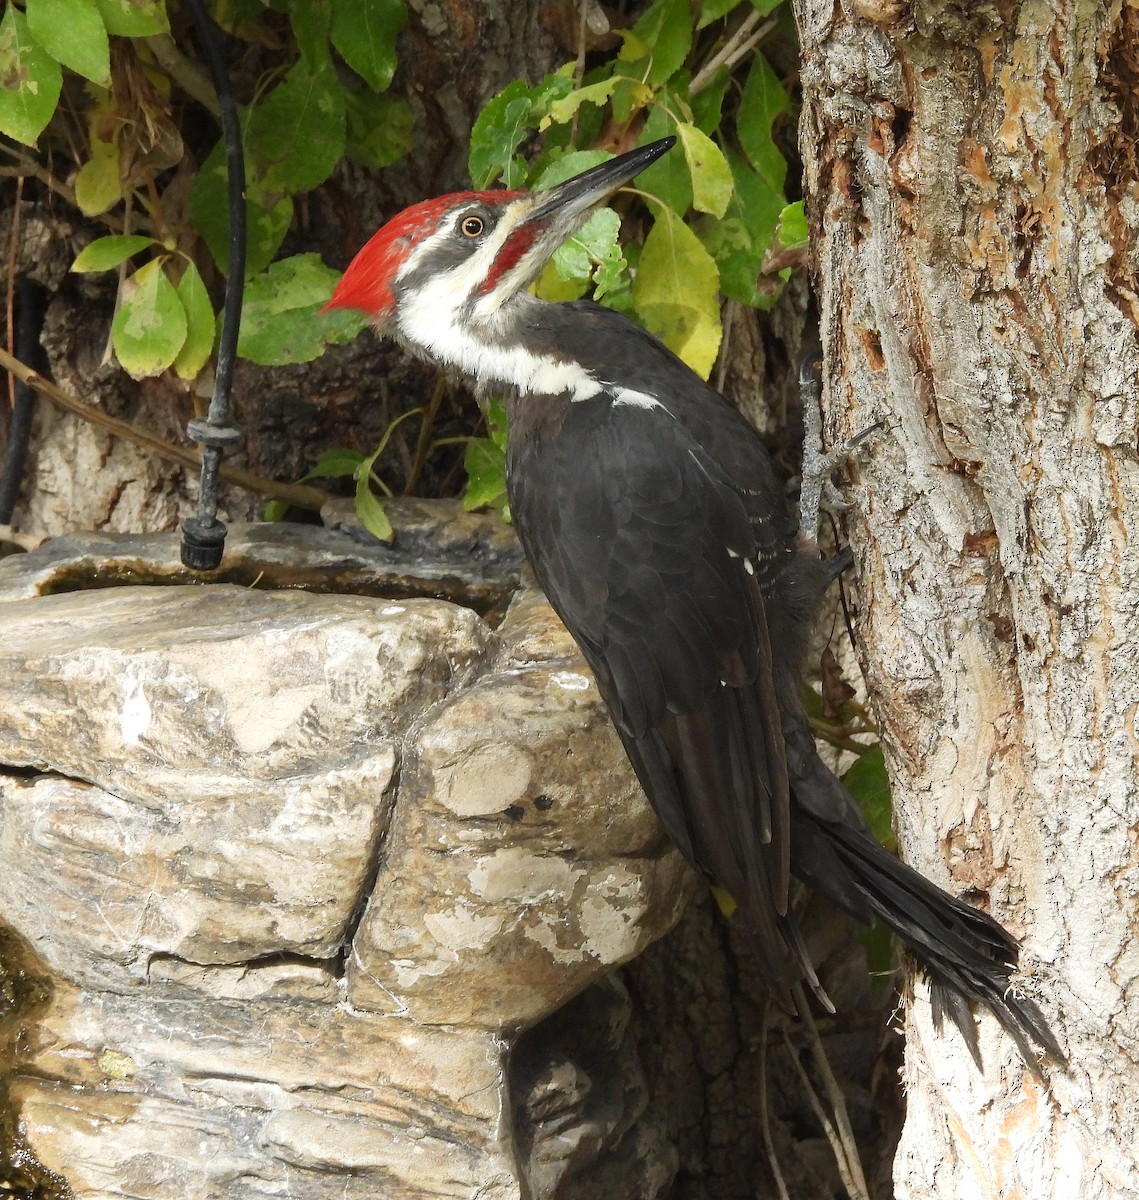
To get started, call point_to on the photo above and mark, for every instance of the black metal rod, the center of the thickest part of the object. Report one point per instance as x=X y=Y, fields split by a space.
x=203 y=535
x=31 y=305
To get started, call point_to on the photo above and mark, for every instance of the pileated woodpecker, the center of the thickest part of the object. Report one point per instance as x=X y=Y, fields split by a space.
x=654 y=521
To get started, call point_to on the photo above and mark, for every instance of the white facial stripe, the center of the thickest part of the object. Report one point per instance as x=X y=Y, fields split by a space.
x=516 y=278
x=428 y=320
x=463 y=279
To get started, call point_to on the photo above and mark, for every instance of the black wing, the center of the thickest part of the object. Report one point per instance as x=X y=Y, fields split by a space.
x=659 y=534
x=648 y=552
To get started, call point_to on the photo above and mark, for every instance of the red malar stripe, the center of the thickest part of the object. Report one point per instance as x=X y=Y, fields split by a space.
x=513 y=249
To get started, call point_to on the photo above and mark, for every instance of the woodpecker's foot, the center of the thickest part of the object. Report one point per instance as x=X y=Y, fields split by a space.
x=819 y=465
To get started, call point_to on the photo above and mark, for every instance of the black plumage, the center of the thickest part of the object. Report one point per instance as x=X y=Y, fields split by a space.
x=657 y=528
x=653 y=519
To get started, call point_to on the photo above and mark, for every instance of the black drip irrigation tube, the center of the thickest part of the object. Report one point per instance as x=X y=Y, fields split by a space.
x=203 y=535
x=31 y=300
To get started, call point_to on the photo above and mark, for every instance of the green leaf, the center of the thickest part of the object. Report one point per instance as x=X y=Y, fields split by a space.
x=496 y=422
x=485 y=464
x=99 y=181
x=593 y=243
x=610 y=276
x=869 y=784
x=713 y=10
x=708 y=103
x=567 y=166
x=675 y=292
x=562 y=111
x=629 y=97
x=380 y=128
x=334 y=464
x=669 y=178
x=740 y=241
x=30 y=80
x=666 y=29
x=792 y=229
x=364 y=32
x=268 y=215
x=711 y=175
x=73 y=33
x=150 y=327
x=275 y=510
x=498 y=131
x=567 y=275
x=725 y=901
x=105 y=253
x=297 y=134
x=763 y=99
x=267 y=221
x=199 y=343
x=368 y=506
x=341 y=325
x=501 y=126
x=134 y=18
x=279 y=322
x=633 y=49
x=311 y=25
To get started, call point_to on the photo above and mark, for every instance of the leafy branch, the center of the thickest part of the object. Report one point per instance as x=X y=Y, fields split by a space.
x=718 y=208
x=116 y=73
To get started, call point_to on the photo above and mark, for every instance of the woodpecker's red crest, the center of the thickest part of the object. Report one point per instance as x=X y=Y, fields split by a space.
x=366 y=284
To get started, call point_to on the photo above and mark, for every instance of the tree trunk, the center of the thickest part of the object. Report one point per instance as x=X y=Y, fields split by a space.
x=972 y=193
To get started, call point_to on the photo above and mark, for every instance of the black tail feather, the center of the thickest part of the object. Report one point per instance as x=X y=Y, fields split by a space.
x=968 y=957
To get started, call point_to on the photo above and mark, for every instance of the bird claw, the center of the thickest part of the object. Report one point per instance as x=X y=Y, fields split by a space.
x=817 y=487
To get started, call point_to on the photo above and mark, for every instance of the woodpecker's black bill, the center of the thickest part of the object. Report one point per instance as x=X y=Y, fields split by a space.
x=589 y=188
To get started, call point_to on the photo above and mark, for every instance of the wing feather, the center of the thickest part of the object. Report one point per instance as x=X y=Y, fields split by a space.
x=642 y=545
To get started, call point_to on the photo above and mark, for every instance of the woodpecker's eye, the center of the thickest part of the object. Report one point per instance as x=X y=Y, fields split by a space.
x=472 y=226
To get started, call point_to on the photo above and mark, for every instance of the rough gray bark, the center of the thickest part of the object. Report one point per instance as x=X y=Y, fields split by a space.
x=972 y=183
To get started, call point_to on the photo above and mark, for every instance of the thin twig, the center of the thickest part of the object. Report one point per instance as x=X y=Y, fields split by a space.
x=833 y=736
x=839 y=1132
x=10 y=296
x=423 y=441
x=188 y=75
x=387 y=437
x=764 y=1116
x=832 y=1136
x=735 y=48
x=838 y=1101
x=730 y=307
x=579 y=65
x=297 y=494
x=26 y=166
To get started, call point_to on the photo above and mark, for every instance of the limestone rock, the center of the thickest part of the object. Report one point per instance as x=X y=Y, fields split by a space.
x=167 y=1099
x=523 y=861
x=202 y=790
x=241 y=745
x=440 y=551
